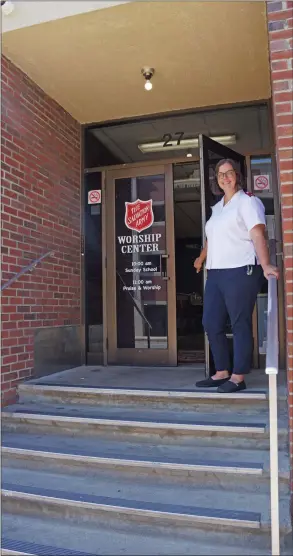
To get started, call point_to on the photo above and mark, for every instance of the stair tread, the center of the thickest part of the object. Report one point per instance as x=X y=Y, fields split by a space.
x=37 y=549
x=227 y=490
x=146 y=377
x=139 y=414
x=145 y=492
x=257 y=393
x=33 y=533
x=124 y=503
x=126 y=450
x=160 y=452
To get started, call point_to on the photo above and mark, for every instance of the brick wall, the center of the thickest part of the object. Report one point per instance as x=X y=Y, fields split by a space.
x=280 y=23
x=40 y=211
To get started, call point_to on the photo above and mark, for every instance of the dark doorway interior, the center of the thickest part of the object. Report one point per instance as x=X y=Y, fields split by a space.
x=189 y=284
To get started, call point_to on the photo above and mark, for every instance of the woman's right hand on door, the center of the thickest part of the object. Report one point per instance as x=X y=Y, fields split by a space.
x=198 y=264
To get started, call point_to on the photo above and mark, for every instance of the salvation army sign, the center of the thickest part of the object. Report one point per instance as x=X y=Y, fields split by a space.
x=139 y=215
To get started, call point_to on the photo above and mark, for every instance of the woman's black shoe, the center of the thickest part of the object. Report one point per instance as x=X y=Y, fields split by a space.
x=210 y=383
x=231 y=387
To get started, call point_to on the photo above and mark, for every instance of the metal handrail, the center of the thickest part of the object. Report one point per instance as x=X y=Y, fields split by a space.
x=272 y=366
x=27 y=268
x=138 y=310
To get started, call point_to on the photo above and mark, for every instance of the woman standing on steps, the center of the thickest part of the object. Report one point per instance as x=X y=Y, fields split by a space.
x=237 y=258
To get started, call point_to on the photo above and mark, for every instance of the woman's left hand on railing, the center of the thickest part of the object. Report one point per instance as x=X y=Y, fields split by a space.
x=271 y=270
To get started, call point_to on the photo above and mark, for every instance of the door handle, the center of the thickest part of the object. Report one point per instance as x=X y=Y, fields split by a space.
x=164 y=257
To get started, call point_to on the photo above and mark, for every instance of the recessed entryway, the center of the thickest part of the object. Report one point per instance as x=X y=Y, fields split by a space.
x=155 y=179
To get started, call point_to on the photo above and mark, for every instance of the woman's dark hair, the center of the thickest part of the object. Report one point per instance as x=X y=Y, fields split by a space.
x=216 y=190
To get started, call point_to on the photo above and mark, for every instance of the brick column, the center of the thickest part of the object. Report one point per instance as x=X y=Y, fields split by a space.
x=280 y=26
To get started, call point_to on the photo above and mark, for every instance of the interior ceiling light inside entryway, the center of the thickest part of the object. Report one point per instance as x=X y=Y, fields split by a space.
x=148 y=74
x=191 y=143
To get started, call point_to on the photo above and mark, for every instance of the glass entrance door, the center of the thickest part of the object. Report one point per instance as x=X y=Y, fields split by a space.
x=211 y=153
x=141 y=296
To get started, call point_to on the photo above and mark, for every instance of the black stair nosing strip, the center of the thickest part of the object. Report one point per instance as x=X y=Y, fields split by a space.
x=134 y=457
x=39 y=549
x=135 y=504
x=137 y=389
x=131 y=418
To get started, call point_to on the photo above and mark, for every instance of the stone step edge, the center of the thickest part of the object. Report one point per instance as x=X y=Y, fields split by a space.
x=103 y=462
x=118 y=423
x=7 y=552
x=139 y=393
x=152 y=515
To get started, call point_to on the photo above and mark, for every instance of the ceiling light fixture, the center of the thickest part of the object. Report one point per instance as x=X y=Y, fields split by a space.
x=7 y=7
x=189 y=155
x=191 y=143
x=148 y=74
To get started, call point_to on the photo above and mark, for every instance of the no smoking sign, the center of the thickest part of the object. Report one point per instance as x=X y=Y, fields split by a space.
x=262 y=182
x=94 y=197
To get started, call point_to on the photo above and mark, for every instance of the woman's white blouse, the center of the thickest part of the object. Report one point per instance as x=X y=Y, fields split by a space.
x=228 y=231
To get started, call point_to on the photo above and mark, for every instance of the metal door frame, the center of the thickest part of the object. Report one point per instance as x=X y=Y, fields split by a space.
x=225 y=152
x=167 y=357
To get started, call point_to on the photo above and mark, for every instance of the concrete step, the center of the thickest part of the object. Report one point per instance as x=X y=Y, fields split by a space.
x=251 y=402
x=137 y=499
x=246 y=470
x=188 y=427
x=102 y=470
x=46 y=536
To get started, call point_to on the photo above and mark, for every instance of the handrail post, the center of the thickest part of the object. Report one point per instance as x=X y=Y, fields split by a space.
x=272 y=363
x=274 y=466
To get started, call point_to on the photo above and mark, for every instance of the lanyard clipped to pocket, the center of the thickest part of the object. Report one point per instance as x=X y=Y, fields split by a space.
x=249 y=270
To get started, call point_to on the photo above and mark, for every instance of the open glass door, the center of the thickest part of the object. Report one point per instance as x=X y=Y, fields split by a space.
x=211 y=153
x=141 y=295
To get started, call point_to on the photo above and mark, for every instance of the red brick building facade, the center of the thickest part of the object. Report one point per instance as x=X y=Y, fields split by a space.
x=40 y=173
x=41 y=205
x=280 y=25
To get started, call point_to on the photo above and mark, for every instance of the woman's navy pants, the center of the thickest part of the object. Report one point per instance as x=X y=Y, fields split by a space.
x=231 y=293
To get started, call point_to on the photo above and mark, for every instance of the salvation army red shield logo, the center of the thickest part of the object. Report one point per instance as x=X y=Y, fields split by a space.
x=139 y=215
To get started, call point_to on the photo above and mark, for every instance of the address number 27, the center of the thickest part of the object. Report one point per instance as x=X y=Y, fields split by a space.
x=169 y=139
